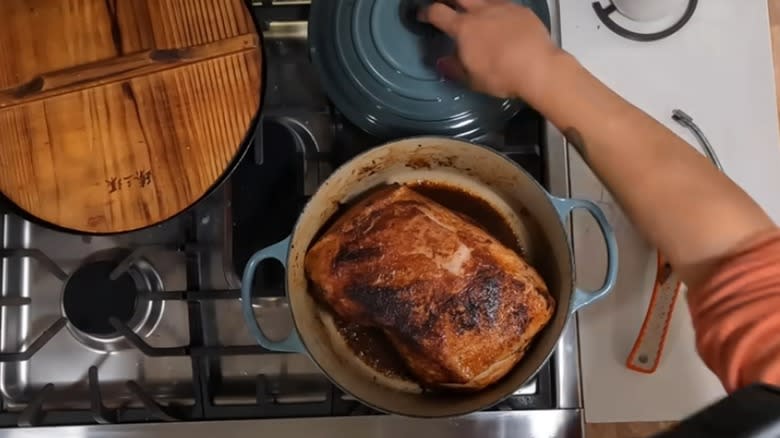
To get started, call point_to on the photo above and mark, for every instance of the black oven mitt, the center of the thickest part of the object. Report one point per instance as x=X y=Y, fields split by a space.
x=752 y=412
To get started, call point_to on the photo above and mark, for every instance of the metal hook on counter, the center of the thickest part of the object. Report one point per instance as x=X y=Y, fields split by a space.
x=685 y=120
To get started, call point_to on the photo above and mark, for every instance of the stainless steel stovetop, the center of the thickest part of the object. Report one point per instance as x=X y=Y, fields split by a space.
x=168 y=353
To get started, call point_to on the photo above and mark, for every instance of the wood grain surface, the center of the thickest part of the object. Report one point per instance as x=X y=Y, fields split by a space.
x=119 y=114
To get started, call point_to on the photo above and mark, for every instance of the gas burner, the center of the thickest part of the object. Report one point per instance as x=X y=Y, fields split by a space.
x=102 y=290
x=605 y=14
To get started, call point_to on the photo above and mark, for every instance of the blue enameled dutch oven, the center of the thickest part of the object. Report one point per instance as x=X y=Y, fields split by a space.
x=537 y=218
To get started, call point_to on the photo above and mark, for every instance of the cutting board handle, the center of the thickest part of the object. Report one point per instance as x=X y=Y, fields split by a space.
x=109 y=71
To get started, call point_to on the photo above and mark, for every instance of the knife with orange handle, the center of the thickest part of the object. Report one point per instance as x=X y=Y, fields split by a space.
x=645 y=356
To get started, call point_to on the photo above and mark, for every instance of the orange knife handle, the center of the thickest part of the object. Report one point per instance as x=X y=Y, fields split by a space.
x=648 y=348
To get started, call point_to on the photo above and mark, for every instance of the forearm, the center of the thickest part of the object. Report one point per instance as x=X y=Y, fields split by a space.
x=678 y=200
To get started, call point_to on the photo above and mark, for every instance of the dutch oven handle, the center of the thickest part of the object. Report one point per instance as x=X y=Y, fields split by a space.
x=582 y=298
x=279 y=252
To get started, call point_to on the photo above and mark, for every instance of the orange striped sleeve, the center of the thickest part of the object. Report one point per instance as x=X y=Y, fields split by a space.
x=736 y=316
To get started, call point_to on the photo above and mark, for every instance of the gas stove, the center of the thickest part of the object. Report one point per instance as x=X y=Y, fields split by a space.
x=168 y=353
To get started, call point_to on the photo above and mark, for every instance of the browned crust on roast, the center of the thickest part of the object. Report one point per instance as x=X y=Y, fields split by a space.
x=460 y=307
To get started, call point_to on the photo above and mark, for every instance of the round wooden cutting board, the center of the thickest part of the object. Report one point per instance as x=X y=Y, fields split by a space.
x=117 y=115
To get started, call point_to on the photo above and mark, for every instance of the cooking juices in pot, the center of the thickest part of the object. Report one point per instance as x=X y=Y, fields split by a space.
x=369 y=344
x=475 y=209
x=372 y=347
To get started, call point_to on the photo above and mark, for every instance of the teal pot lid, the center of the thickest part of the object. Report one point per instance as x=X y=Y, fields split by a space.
x=377 y=64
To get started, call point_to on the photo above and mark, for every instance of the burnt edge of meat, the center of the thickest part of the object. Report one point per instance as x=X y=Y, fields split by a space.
x=318 y=294
x=382 y=303
x=520 y=317
x=351 y=254
x=549 y=301
x=479 y=304
x=365 y=200
x=391 y=309
x=350 y=250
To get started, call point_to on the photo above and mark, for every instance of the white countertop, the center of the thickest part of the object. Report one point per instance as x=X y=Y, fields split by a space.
x=719 y=70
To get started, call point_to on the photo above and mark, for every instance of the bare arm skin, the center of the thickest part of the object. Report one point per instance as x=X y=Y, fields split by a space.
x=695 y=215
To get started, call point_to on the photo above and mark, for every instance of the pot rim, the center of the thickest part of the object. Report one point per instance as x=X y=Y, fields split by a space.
x=505 y=394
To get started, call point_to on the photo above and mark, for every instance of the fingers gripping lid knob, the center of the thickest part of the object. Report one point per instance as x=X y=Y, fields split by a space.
x=408 y=10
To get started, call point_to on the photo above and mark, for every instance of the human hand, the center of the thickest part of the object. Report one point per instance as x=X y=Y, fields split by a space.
x=503 y=48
